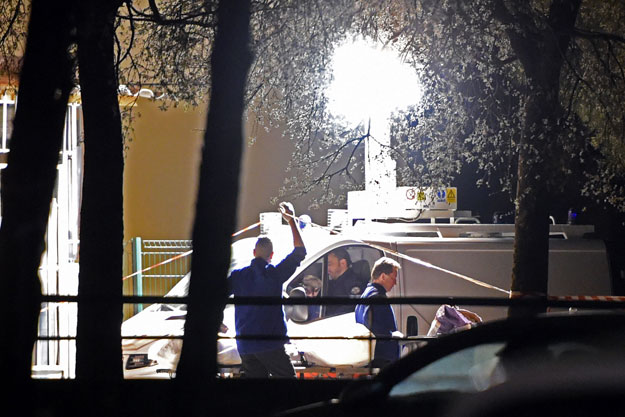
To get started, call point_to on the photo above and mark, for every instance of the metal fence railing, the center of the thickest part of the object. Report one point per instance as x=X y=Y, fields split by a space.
x=410 y=342
x=333 y=373
x=153 y=267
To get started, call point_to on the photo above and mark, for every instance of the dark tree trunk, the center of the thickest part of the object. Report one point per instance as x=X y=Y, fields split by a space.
x=28 y=184
x=216 y=204
x=531 y=244
x=98 y=356
x=541 y=52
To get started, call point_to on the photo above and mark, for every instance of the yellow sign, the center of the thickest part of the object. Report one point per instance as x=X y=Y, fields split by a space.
x=421 y=196
x=451 y=196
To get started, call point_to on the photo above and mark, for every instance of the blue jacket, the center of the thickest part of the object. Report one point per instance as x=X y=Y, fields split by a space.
x=261 y=279
x=380 y=319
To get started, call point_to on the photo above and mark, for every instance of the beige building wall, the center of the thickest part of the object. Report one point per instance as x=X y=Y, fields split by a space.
x=162 y=163
x=263 y=172
x=160 y=174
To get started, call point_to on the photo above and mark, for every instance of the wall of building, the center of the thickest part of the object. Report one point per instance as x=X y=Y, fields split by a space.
x=263 y=172
x=162 y=163
x=160 y=175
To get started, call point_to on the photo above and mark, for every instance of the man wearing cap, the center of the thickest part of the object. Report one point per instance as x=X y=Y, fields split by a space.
x=264 y=358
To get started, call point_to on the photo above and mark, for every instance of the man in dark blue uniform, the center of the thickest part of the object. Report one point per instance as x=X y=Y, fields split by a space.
x=343 y=281
x=380 y=319
x=264 y=358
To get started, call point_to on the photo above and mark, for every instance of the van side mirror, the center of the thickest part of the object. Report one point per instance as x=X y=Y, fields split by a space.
x=412 y=326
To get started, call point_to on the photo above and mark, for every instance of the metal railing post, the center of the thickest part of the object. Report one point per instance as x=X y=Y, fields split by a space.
x=137 y=265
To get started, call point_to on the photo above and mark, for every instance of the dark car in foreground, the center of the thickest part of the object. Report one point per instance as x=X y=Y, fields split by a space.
x=462 y=373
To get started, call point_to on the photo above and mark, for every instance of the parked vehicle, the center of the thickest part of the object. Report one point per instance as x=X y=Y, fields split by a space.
x=157 y=356
x=435 y=259
x=467 y=373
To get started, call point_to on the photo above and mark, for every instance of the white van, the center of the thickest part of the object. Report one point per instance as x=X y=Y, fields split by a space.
x=432 y=255
x=578 y=263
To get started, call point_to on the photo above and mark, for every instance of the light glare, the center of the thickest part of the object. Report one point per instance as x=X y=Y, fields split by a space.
x=370 y=82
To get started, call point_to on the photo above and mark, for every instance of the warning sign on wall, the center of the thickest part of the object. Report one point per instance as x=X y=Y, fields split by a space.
x=417 y=198
x=451 y=196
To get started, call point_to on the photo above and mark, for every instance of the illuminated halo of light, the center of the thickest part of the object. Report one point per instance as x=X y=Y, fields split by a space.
x=370 y=82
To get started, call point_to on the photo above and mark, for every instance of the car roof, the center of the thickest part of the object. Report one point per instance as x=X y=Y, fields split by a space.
x=527 y=331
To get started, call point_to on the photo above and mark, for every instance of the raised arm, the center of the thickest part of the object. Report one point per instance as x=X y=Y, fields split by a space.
x=288 y=213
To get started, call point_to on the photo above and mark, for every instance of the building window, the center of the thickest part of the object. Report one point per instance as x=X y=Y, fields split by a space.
x=7 y=114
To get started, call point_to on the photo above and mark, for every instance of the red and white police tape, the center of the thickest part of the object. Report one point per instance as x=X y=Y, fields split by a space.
x=586 y=298
x=511 y=294
x=182 y=255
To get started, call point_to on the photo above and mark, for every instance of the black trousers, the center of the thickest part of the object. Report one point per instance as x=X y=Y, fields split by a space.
x=275 y=363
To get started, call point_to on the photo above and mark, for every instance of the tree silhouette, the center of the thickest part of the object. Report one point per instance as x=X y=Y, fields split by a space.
x=28 y=184
x=98 y=339
x=216 y=204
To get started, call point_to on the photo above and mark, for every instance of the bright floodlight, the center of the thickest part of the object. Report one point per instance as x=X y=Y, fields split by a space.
x=370 y=82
